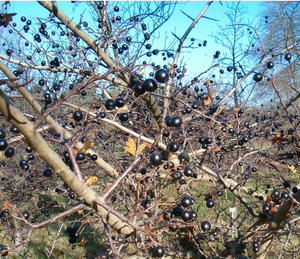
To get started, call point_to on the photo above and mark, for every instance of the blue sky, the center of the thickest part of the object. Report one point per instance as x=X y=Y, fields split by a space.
x=206 y=28
x=196 y=60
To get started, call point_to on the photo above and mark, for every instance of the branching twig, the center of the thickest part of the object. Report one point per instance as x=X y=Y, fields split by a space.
x=117 y=182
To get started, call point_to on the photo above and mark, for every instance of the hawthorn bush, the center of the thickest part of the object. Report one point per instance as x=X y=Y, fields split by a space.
x=107 y=155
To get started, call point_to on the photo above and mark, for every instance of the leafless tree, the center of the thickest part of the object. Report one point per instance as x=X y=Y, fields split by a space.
x=137 y=166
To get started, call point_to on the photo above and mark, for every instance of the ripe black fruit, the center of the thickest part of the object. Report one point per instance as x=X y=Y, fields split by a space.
x=94 y=157
x=275 y=193
x=210 y=203
x=30 y=157
x=173 y=226
x=202 y=140
x=42 y=81
x=255 y=244
x=208 y=196
x=71 y=230
x=25 y=167
x=3 y=144
x=9 y=152
x=150 y=85
x=168 y=121
x=158 y=251
x=78 y=115
x=166 y=133
x=139 y=89
x=128 y=39
x=285 y=195
x=288 y=56
x=120 y=50
x=26 y=214
x=14 y=129
x=123 y=116
x=188 y=172
x=110 y=104
x=8 y=52
x=47 y=172
x=186 y=215
x=257 y=77
x=72 y=195
x=125 y=47
x=176 y=121
x=270 y=64
x=173 y=146
x=286 y=184
x=208 y=140
x=277 y=201
x=144 y=26
x=205 y=225
x=80 y=156
x=102 y=114
x=147 y=36
x=155 y=159
x=255 y=247
x=266 y=208
x=72 y=239
x=177 y=210
x=176 y=174
x=254 y=169
x=161 y=76
x=119 y=102
x=229 y=68
x=187 y=201
x=143 y=171
x=193 y=214
x=47 y=97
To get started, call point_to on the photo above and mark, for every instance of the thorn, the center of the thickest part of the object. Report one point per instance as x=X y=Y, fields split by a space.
x=213 y=19
x=187 y=15
x=176 y=36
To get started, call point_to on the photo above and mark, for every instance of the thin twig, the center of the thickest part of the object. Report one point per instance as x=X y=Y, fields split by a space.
x=54 y=242
x=52 y=219
x=110 y=240
x=117 y=182
x=74 y=163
